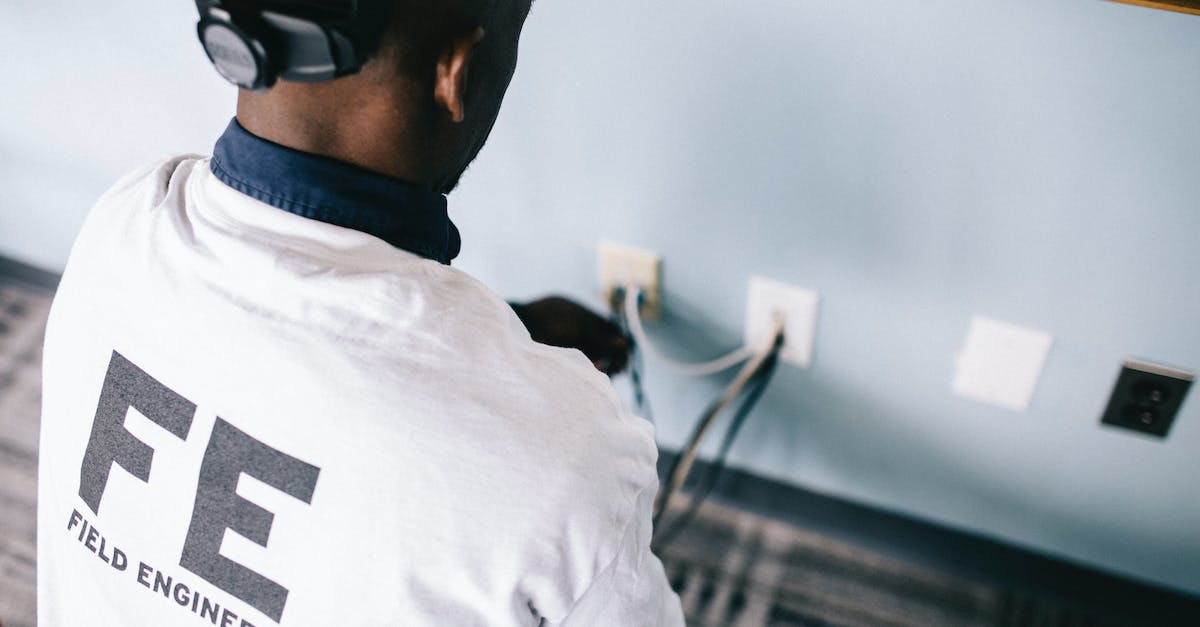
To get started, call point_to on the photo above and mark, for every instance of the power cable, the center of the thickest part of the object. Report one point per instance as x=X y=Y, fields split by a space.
x=720 y=364
x=687 y=457
x=714 y=471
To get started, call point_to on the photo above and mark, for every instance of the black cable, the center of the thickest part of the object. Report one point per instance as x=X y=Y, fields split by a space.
x=681 y=468
x=748 y=386
x=687 y=456
x=674 y=469
x=713 y=472
x=641 y=400
x=754 y=391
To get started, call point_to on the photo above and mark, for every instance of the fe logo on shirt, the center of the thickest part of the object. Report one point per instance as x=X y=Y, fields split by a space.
x=218 y=507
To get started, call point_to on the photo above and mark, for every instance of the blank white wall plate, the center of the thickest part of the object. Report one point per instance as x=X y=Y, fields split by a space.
x=799 y=306
x=1000 y=363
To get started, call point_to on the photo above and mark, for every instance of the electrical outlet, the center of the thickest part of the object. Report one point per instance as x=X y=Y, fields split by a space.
x=622 y=265
x=1147 y=397
x=768 y=299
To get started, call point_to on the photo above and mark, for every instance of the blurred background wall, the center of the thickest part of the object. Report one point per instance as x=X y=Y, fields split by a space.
x=915 y=161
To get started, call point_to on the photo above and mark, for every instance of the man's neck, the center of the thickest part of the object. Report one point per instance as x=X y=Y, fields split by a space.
x=336 y=120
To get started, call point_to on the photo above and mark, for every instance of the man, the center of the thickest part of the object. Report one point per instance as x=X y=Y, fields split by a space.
x=268 y=398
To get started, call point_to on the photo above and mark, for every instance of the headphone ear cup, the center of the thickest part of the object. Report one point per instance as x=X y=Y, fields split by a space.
x=238 y=57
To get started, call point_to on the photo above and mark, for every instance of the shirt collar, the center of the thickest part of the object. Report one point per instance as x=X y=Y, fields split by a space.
x=405 y=215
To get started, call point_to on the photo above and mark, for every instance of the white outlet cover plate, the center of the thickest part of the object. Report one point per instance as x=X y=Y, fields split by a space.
x=1000 y=363
x=798 y=305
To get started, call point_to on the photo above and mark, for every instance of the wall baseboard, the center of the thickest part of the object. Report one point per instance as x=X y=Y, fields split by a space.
x=13 y=270
x=953 y=552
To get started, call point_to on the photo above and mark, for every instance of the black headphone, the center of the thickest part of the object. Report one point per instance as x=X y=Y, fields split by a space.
x=308 y=41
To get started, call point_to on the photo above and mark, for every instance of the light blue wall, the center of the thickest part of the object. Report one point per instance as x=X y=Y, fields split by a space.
x=90 y=91
x=915 y=161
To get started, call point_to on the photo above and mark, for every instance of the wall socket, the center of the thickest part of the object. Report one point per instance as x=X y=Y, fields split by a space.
x=767 y=299
x=622 y=265
x=1147 y=396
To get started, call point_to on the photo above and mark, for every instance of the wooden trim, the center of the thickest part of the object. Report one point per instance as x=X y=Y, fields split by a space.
x=1182 y=6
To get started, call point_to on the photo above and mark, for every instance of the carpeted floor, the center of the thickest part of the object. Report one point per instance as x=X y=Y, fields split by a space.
x=731 y=568
x=738 y=570
x=22 y=321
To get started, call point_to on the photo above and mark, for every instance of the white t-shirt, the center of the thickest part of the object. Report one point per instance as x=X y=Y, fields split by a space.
x=252 y=418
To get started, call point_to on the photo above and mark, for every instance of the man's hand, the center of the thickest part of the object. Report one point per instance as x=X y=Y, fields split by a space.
x=557 y=321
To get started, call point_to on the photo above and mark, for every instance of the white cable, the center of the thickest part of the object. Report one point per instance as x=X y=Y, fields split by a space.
x=687 y=456
x=696 y=370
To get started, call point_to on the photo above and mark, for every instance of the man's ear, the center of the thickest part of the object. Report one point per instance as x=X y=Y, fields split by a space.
x=450 y=87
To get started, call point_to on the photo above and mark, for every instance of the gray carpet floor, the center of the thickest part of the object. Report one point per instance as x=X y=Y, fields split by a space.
x=731 y=568
x=22 y=322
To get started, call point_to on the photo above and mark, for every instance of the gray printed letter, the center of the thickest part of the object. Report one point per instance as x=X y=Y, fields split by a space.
x=218 y=507
x=127 y=386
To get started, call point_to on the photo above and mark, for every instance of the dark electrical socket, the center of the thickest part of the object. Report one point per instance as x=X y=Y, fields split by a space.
x=1147 y=396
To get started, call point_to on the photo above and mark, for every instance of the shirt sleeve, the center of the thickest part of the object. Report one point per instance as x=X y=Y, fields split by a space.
x=632 y=590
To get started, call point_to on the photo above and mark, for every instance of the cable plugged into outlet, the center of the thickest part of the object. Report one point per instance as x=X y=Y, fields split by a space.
x=768 y=300
x=626 y=266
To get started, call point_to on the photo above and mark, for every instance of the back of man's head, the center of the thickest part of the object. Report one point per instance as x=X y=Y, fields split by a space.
x=422 y=104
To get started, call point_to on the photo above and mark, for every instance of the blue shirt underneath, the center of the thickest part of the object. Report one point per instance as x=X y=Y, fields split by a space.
x=407 y=216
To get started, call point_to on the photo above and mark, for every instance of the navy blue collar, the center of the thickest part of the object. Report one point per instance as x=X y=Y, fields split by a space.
x=406 y=216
